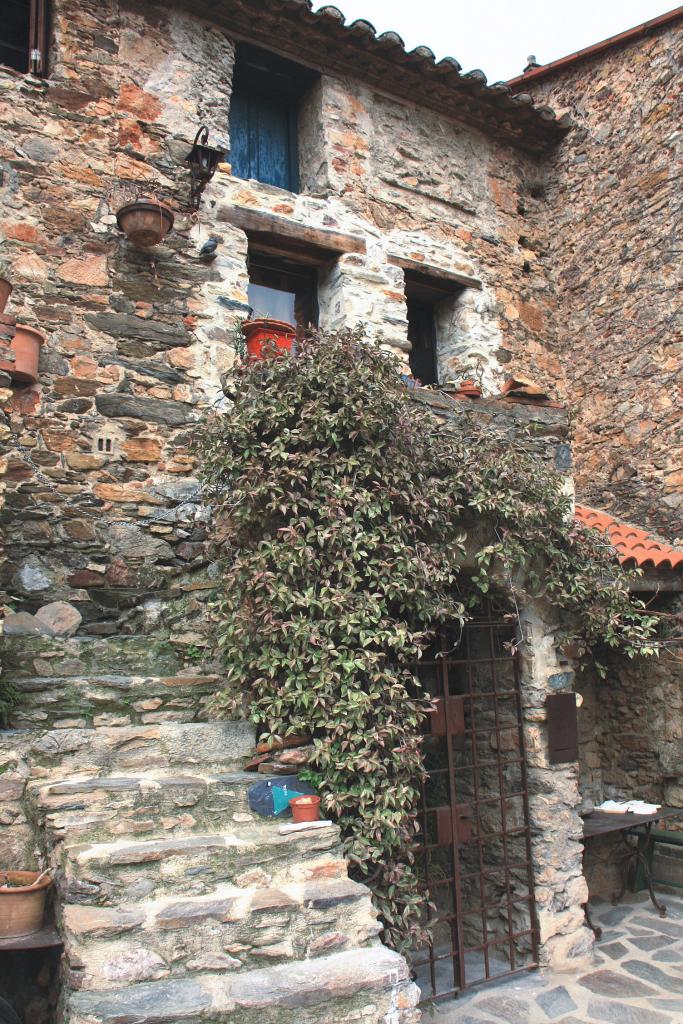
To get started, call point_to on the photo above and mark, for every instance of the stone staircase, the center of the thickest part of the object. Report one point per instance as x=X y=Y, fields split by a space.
x=176 y=903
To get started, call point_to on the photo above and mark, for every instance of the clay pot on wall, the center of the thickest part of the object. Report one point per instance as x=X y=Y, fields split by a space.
x=145 y=222
x=5 y=292
x=465 y=389
x=25 y=346
x=305 y=808
x=22 y=902
x=267 y=337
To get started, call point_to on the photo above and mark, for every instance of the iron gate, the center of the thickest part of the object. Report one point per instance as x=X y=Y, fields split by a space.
x=474 y=858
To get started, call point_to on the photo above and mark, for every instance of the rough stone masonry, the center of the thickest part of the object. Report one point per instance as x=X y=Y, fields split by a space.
x=103 y=511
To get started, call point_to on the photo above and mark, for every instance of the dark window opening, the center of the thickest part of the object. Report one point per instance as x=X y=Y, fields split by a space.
x=263 y=117
x=423 y=294
x=422 y=337
x=282 y=289
x=23 y=35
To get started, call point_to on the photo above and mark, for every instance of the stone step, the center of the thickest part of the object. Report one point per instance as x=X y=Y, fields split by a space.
x=184 y=747
x=371 y=985
x=110 y=806
x=227 y=930
x=96 y=699
x=108 y=874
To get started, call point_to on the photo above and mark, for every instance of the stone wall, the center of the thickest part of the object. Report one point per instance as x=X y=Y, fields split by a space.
x=102 y=508
x=101 y=505
x=609 y=215
x=631 y=747
x=632 y=731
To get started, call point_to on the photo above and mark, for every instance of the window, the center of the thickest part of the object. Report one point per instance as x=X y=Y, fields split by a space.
x=23 y=35
x=431 y=302
x=263 y=117
x=283 y=289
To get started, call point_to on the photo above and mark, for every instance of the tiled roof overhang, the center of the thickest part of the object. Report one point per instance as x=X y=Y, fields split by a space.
x=647 y=28
x=322 y=40
x=633 y=546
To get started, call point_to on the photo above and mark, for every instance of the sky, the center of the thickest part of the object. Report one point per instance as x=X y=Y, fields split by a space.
x=497 y=36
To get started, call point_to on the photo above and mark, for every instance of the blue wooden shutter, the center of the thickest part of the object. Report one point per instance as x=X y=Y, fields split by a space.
x=262 y=140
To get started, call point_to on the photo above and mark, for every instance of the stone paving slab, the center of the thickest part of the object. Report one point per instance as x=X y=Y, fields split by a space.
x=636 y=977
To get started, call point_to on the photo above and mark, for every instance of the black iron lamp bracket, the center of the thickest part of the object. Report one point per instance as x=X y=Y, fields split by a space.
x=202 y=161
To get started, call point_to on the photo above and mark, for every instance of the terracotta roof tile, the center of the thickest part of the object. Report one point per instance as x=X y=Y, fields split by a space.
x=322 y=38
x=631 y=543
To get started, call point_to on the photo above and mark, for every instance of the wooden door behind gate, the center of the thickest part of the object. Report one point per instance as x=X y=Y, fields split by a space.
x=474 y=858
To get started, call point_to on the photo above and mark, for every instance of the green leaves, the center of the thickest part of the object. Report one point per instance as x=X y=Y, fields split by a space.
x=343 y=513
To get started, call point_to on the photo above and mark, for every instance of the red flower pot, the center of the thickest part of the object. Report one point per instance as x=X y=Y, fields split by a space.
x=5 y=292
x=267 y=337
x=26 y=348
x=305 y=808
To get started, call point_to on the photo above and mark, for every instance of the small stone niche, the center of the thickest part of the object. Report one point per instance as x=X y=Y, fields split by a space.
x=30 y=981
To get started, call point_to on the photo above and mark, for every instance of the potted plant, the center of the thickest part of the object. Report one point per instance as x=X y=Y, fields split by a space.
x=145 y=221
x=5 y=286
x=25 y=346
x=22 y=902
x=265 y=337
x=305 y=808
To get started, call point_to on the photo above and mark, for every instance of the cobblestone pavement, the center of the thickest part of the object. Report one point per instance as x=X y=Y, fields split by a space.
x=636 y=977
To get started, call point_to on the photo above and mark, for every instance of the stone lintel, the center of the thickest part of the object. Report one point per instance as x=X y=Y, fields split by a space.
x=440 y=273
x=282 y=234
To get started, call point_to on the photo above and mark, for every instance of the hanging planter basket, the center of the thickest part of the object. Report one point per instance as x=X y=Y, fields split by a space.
x=22 y=902
x=146 y=222
x=25 y=346
x=5 y=292
x=267 y=338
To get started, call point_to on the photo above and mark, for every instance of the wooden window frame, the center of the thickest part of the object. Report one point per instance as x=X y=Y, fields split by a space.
x=260 y=75
x=290 y=274
x=36 y=39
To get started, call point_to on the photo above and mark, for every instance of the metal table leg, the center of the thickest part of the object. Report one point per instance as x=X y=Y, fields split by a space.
x=642 y=842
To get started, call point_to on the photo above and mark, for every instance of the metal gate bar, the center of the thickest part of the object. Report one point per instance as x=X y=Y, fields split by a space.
x=470 y=858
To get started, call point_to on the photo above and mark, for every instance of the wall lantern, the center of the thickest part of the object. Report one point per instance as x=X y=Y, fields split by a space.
x=202 y=160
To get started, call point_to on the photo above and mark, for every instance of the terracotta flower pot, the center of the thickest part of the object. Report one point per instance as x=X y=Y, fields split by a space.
x=267 y=337
x=26 y=348
x=305 y=808
x=22 y=905
x=145 y=222
x=466 y=389
x=5 y=292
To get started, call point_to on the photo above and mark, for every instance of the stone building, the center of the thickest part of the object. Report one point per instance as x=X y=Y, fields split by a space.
x=611 y=203
x=357 y=182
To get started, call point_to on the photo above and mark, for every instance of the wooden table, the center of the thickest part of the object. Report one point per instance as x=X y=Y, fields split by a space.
x=602 y=823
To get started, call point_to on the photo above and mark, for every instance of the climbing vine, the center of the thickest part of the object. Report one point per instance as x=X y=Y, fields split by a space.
x=351 y=522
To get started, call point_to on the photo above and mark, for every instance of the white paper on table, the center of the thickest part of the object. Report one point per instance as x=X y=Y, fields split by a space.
x=628 y=807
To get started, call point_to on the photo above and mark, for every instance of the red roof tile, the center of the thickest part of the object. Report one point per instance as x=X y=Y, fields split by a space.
x=631 y=544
